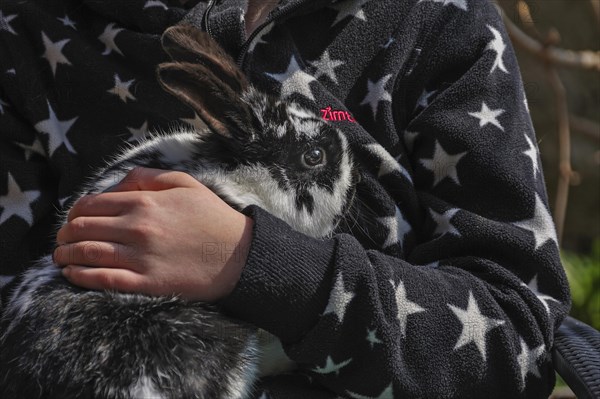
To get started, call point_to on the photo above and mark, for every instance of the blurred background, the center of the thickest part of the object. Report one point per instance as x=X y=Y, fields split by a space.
x=557 y=44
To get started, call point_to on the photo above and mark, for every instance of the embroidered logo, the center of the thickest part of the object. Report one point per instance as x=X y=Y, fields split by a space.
x=332 y=115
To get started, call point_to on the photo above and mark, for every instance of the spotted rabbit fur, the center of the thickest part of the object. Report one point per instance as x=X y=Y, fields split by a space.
x=60 y=341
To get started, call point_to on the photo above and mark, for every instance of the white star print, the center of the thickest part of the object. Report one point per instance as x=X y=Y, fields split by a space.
x=62 y=201
x=388 y=43
x=121 y=89
x=487 y=115
x=294 y=80
x=2 y=105
x=475 y=326
x=424 y=99
x=532 y=153
x=443 y=164
x=17 y=202
x=527 y=360
x=444 y=226
x=372 y=338
x=108 y=38
x=325 y=66
x=339 y=299
x=405 y=306
x=35 y=148
x=155 y=3
x=67 y=22
x=497 y=45
x=349 y=8
x=258 y=39
x=331 y=367
x=139 y=133
x=54 y=53
x=462 y=4
x=376 y=94
x=397 y=227
x=541 y=224
x=387 y=393
x=388 y=164
x=11 y=71
x=533 y=286
x=56 y=131
x=5 y=22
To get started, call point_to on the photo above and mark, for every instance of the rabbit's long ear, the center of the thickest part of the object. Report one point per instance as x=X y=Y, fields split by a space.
x=214 y=100
x=184 y=43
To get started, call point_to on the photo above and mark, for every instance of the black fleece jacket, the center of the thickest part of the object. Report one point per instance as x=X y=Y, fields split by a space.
x=452 y=284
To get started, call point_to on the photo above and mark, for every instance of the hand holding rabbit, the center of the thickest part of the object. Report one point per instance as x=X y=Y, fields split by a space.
x=126 y=239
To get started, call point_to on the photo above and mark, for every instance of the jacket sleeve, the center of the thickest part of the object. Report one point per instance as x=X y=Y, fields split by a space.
x=470 y=310
x=27 y=199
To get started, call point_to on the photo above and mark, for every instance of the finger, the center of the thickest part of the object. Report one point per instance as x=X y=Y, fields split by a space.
x=148 y=179
x=99 y=279
x=104 y=204
x=93 y=228
x=97 y=254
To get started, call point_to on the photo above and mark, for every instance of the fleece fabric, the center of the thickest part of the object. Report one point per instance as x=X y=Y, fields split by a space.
x=448 y=284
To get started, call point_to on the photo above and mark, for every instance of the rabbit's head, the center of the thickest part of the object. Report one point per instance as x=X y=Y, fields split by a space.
x=261 y=150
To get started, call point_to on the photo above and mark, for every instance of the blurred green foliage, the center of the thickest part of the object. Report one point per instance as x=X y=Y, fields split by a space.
x=583 y=272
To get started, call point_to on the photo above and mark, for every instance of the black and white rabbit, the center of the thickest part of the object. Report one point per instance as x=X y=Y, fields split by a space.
x=59 y=341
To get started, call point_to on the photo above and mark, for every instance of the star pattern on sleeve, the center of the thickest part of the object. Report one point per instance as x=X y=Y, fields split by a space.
x=532 y=153
x=389 y=164
x=5 y=22
x=349 y=8
x=139 y=133
x=325 y=66
x=53 y=53
x=404 y=306
x=372 y=338
x=331 y=367
x=397 y=227
x=121 y=89
x=533 y=286
x=488 y=116
x=498 y=46
x=154 y=4
x=2 y=105
x=377 y=93
x=387 y=393
x=527 y=360
x=339 y=299
x=540 y=224
x=294 y=80
x=443 y=164
x=443 y=221
x=108 y=38
x=56 y=130
x=462 y=4
x=259 y=38
x=17 y=202
x=423 y=100
x=475 y=326
x=66 y=21
x=35 y=148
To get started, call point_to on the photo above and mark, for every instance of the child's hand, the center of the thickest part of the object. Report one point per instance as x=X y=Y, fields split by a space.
x=159 y=233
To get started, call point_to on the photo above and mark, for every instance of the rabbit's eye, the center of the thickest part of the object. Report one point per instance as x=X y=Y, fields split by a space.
x=313 y=157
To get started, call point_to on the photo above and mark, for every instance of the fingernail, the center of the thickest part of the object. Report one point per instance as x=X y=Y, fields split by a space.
x=66 y=271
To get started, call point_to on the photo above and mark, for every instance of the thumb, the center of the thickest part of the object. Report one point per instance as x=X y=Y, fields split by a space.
x=149 y=179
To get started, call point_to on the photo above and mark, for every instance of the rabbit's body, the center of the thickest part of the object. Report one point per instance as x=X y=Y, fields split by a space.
x=60 y=341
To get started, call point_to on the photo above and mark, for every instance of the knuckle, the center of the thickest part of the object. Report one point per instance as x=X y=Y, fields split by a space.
x=76 y=226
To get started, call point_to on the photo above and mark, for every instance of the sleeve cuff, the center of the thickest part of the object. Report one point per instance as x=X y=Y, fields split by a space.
x=286 y=282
